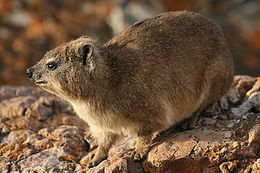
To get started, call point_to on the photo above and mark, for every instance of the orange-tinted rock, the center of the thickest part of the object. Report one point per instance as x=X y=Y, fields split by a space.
x=174 y=147
x=227 y=167
x=124 y=165
x=185 y=165
x=70 y=136
x=254 y=135
x=256 y=166
x=23 y=122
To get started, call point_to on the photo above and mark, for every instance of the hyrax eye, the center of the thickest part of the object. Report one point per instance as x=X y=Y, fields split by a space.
x=52 y=65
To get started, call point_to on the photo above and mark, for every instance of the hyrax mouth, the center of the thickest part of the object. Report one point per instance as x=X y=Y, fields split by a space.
x=40 y=82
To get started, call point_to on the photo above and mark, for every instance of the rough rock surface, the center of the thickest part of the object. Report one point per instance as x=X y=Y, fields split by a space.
x=40 y=133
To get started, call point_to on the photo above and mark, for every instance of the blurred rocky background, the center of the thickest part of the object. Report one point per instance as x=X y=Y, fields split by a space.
x=28 y=28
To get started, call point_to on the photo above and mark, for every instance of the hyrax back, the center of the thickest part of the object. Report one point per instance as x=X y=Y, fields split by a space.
x=155 y=74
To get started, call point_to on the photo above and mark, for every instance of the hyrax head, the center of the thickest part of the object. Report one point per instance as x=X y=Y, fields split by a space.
x=66 y=70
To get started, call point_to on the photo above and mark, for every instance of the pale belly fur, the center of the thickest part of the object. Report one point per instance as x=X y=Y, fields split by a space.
x=111 y=123
x=108 y=123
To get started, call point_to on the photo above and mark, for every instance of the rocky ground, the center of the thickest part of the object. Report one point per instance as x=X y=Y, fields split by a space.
x=40 y=133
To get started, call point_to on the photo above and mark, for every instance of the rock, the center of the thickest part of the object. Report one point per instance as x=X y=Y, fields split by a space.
x=234 y=96
x=227 y=167
x=23 y=122
x=207 y=121
x=254 y=134
x=240 y=86
x=4 y=129
x=42 y=108
x=175 y=147
x=223 y=103
x=48 y=159
x=16 y=106
x=7 y=92
x=18 y=136
x=255 y=88
x=47 y=106
x=69 y=136
x=254 y=140
x=253 y=102
x=185 y=165
x=124 y=165
x=256 y=166
x=40 y=133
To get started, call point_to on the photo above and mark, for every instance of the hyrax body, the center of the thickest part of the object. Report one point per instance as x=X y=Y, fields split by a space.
x=151 y=76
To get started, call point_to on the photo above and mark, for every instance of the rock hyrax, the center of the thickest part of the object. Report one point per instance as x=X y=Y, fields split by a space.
x=156 y=73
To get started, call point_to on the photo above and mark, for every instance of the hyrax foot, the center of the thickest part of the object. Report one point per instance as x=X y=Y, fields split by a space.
x=96 y=162
x=100 y=155
x=105 y=142
x=142 y=146
x=140 y=155
x=191 y=122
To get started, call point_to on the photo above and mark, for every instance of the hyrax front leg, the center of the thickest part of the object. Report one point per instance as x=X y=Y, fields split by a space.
x=105 y=140
x=142 y=145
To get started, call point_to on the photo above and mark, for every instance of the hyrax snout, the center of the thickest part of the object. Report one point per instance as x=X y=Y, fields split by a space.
x=156 y=73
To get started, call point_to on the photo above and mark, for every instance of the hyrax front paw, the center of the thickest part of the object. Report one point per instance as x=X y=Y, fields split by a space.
x=142 y=147
x=98 y=157
x=96 y=162
x=138 y=156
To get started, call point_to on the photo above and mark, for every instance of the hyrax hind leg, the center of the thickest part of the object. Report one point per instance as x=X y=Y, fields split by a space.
x=142 y=145
x=191 y=122
x=105 y=140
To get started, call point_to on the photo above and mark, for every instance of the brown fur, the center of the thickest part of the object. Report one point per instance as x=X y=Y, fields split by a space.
x=153 y=75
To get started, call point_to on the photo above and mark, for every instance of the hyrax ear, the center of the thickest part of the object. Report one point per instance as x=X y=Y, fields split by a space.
x=86 y=52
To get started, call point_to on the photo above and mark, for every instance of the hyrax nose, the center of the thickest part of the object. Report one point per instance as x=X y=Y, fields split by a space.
x=29 y=72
